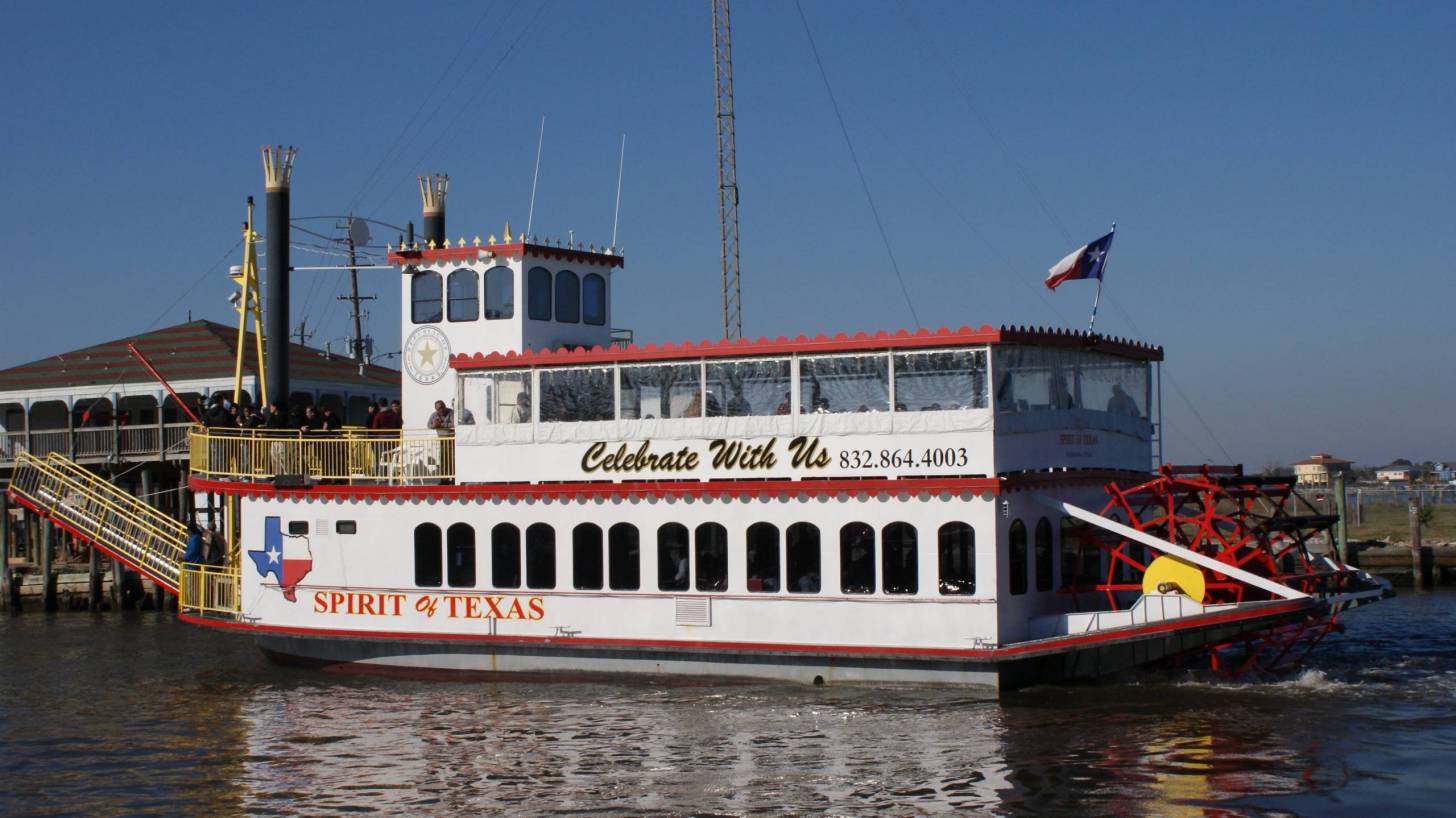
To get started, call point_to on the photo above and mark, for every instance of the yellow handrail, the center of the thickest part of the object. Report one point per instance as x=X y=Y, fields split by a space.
x=97 y=510
x=345 y=456
x=210 y=589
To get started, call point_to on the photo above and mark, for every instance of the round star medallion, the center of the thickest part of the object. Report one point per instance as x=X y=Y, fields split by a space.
x=426 y=355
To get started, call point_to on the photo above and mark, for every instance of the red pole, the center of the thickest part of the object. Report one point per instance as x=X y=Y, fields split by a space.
x=163 y=381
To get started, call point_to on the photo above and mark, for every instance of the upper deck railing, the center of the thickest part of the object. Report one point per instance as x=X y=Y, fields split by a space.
x=352 y=456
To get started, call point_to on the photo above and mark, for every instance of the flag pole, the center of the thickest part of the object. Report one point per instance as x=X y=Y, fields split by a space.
x=1098 y=297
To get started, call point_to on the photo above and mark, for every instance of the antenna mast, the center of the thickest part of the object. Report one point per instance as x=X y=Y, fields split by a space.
x=727 y=170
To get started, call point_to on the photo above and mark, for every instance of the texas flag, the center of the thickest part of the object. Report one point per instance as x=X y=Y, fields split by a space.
x=1084 y=262
x=285 y=556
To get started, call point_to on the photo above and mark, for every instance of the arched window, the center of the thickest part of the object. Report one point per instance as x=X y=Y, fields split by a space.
x=672 y=557
x=505 y=556
x=957 y=559
x=710 y=547
x=568 y=297
x=857 y=559
x=624 y=558
x=586 y=557
x=802 y=557
x=897 y=549
x=500 y=293
x=1070 y=559
x=428 y=568
x=540 y=556
x=425 y=296
x=538 y=294
x=1043 y=554
x=1016 y=565
x=464 y=287
x=762 y=555
x=460 y=555
x=593 y=299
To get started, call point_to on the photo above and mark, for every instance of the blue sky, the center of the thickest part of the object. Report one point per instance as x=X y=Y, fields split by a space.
x=1280 y=174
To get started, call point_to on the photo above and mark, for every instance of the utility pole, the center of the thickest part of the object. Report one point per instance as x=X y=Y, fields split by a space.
x=302 y=333
x=727 y=170
x=356 y=343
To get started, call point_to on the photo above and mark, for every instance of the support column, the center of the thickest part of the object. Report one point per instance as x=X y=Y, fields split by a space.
x=5 y=579
x=1342 y=530
x=117 y=573
x=93 y=577
x=48 y=578
x=149 y=497
x=1418 y=568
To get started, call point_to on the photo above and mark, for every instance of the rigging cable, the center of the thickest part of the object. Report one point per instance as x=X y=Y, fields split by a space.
x=884 y=237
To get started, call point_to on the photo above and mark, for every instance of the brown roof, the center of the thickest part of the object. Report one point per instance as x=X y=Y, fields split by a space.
x=199 y=349
x=1323 y=460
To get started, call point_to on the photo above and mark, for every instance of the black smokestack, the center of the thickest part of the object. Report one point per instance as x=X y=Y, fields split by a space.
x=277 y=178
x=432 y=194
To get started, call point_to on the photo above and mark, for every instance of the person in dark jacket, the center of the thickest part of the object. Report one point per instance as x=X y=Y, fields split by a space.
x=389 y=419
x=277 y=416
x=194 y=553
x=328 y=421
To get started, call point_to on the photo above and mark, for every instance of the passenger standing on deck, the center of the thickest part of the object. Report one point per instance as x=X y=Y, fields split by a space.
x=328 y=421
x=194 y=552
x=370 y=413
x=388 y=419
x=443 y=419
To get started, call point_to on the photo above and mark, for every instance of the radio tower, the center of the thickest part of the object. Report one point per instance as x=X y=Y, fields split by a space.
x=727 y=170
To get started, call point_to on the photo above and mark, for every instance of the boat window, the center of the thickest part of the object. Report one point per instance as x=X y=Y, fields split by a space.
x=464 y=289
x=1038 y=378
x=576 y=394
x=1069 y=549
x=1016 y=565
x=802 y=552
x=505 y=556
x=957 y=559
x=662 y=391
x=844 y=383
x=1043 y=554
x=540 y=556
x=346 y=527
x=568 y=297
x=710 y=544
x=500 y=293
x=672 y=557
x=897 y=551
x=931 y=381
x=460 y=555
x=298 y=528
x=593 y=299
x=763 y=557
x=586 y=557
x=857 y=559
x=538 y=294
x=428 y=568
x=425 y=293
x=624 y=566
x=503 y=397
x=751 y=387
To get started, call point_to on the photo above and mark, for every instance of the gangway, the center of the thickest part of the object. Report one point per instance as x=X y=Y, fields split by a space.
x=122 y=527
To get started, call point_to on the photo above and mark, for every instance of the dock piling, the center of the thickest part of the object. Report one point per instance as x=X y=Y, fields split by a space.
x=47 y=575
x=1418 y=573
x=6 y=581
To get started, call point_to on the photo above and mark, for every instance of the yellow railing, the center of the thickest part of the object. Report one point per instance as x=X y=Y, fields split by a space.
x=210 y=589
x=346 y=456
x=148 y=539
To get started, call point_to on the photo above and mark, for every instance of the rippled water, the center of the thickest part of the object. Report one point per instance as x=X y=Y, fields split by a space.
x=138 y=715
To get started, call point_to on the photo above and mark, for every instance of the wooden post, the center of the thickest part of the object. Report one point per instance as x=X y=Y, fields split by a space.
x=48 y=579
x=1342 y=531
x=149 y=497
x=1418 y=578
x=93 y=575
x=117 y=573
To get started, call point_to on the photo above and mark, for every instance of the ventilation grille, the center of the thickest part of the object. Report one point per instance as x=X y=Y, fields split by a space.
x=694 y=610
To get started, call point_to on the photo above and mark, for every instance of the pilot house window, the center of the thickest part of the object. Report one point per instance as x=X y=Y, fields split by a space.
x=464 y=288
x=593 y=299
x=425 y=296
x=538 y=294
x=568 y=297
x=500 y=293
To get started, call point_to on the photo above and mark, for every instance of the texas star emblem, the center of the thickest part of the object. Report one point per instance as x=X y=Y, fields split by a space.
x=426 y=355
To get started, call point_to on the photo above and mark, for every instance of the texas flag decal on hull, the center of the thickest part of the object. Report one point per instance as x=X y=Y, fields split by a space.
x=285 y=556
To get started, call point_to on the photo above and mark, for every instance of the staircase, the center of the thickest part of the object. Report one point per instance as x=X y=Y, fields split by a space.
x=88 y=507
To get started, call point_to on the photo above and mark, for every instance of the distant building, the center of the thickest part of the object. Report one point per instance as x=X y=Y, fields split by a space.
x=1396 y=473
x=1443 y=473
x=1320 y=469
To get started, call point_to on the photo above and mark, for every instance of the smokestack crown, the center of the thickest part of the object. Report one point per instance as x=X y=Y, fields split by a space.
x=278 y=167
x=432 y=192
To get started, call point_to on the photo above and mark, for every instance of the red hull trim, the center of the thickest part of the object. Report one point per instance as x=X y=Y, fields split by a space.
x=1025 y=650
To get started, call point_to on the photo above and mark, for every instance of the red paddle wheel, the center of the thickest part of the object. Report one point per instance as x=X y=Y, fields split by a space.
x=1252 y=522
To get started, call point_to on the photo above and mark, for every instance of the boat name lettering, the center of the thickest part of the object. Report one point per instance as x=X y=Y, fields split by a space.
x=456 y=606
